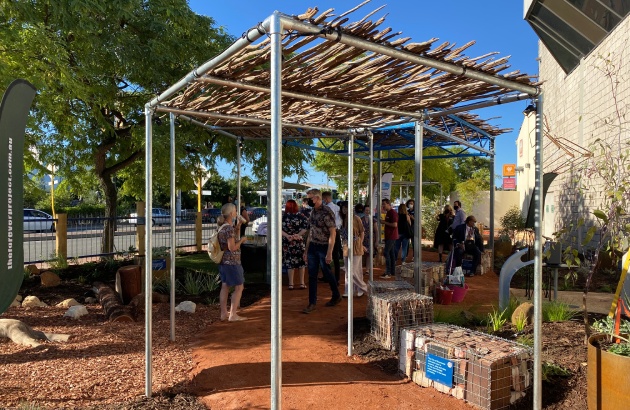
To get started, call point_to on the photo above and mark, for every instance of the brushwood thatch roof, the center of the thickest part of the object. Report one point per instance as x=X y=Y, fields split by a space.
x=234 y=95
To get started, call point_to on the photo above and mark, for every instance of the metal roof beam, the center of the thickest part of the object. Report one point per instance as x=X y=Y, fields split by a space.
x=457 y=139
x=162 y=108
x=288 y=23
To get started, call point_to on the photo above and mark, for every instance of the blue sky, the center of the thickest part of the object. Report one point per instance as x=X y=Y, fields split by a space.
x=495 y=25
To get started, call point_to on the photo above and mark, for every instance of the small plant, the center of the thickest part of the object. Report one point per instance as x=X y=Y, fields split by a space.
x=211 y=300
x=83 y=279
x=512 y=222
x=160 y=252
x=194 y=283
x=607 y=325
x=57 y=262
x=496 y=320
x=520 y=322
x=451 y=317
x=557 y=311
x=28 y=406
x=511 y=307
x=622 y=349
x=162 y=286
x=551 y=371
x=526 y=340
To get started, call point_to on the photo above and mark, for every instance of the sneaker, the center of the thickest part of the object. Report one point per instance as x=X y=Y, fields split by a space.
x=309 y=309
x=345 y=295
x=386 y=276
x=359 y=294
x=334 y=302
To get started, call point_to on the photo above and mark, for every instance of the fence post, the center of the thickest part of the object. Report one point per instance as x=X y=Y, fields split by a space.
x=140 y=228
x=198 y=240
x=61 y=236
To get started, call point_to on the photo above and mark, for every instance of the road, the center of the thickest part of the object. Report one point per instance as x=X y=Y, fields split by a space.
x=84 y=242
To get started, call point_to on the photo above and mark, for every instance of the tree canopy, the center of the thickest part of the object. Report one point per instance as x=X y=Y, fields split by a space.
x=95 y=64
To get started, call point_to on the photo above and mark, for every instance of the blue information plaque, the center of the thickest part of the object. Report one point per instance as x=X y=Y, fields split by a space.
x=159 y=264
x=439 y=369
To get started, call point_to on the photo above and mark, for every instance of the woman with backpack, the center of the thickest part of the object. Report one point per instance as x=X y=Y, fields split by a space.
x=230 y=268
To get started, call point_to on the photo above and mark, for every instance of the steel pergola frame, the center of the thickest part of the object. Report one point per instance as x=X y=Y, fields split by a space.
x=281 y=28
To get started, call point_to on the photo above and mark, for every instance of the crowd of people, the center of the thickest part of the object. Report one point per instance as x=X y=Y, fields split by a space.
x=315 y=236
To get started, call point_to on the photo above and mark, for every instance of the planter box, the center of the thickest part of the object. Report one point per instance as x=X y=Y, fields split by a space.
x=484 y=370
x=608 y=377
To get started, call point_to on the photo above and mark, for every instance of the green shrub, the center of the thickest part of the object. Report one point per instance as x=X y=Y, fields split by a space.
x=552 y=371
x=557 y=311
x=496 y=320
x=512 y=222
x=526 y=340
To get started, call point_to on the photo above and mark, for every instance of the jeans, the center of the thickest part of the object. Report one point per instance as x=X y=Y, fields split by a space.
x=390 y=256
x=403 y=242
x=316 y=257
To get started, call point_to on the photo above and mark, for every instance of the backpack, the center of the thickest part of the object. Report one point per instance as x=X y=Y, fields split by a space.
x=214 y=248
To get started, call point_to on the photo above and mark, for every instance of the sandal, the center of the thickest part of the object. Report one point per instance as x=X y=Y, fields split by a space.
x=302 y=286
x=290 y=287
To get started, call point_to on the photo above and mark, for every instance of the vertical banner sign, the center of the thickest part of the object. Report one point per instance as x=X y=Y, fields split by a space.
x=14 y=110
x=386 y=185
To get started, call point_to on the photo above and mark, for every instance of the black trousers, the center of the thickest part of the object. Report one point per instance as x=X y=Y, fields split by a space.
x=337 y=254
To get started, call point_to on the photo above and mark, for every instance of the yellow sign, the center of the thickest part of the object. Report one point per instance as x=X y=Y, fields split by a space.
x=509 y=170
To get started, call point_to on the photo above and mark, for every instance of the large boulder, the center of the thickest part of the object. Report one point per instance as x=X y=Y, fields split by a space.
x=526 y=310
x=50 y=279
x=32 y=269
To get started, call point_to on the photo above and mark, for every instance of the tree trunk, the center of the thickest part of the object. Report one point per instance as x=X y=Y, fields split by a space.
x=111 y=198
x=115 y=311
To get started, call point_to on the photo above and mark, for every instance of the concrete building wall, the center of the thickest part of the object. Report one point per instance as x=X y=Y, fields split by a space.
x=577 y=107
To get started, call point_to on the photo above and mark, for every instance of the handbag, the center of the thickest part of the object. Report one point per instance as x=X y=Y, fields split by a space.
x=214 y=247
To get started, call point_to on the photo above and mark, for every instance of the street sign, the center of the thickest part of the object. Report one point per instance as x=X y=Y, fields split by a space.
x=509 y=183
x=509 y=170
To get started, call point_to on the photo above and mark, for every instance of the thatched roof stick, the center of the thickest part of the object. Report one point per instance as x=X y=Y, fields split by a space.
x=309 y=97
x=289 y=23
x=495 y=101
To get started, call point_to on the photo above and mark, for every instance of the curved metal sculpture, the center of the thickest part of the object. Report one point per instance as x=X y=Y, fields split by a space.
x=14 y=110
x=510 y=267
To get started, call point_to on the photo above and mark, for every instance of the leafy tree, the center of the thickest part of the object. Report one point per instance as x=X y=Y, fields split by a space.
x=95 y=64
x=438 y=170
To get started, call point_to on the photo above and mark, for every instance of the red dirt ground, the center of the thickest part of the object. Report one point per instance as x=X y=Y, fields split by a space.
x=232 y=360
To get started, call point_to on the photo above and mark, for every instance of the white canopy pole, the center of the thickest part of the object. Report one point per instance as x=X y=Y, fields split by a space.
x=173 y=226
x=275 y=236
x=417 y=233
x=538 y=212
x=239 y=143
x=350 y=218
x=148 y=245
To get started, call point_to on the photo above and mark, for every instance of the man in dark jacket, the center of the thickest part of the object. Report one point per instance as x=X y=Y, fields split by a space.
x=467 y=239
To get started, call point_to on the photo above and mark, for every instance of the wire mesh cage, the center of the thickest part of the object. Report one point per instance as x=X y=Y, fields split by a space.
x=432 y=275
x=393 y=311
x=378 y=287
x=484 y=370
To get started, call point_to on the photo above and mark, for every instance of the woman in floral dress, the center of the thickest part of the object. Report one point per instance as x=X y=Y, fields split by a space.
x=294 y=227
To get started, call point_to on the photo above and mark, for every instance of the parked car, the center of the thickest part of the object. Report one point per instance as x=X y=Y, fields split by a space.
x=160 y=216
x=255 y=213
x=35 y=220
x=210 y=214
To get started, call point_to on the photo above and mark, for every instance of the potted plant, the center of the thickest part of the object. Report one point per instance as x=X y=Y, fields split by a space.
x=608 y=362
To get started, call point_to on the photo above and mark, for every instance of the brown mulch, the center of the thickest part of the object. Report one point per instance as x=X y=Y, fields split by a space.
x=102 y=366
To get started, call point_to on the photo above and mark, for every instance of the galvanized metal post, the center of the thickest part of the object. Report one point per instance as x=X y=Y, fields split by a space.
x=148 y=244
x=173 y=226
x=371 y=196
x=350 y=218
x=492 y=198
x=417 y=233
x=239 y=141
x=538 y=209
x=274 y=235
x=377 y=206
